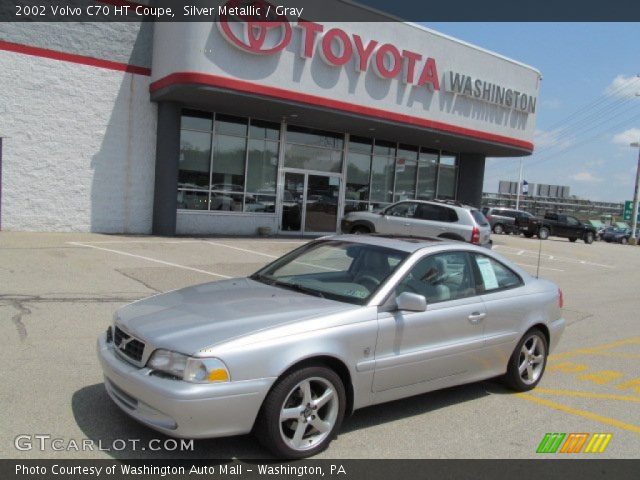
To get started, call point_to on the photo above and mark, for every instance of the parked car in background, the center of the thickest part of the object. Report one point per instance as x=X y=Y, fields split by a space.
x=505 y=220
x=619 y=235
x=423 y=218
x=559 y=225
x=338 y=324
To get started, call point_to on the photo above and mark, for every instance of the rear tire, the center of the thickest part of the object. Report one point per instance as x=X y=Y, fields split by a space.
x=528 y=361
x=498 y=229
x=543 y=233
x=288 y=424
x=360 y=230
x=624 y=240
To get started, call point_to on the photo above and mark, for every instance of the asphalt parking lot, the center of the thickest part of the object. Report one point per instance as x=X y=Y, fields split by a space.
x=59 y=291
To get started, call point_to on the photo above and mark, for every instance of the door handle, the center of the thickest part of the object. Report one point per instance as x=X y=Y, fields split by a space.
x=476 y=317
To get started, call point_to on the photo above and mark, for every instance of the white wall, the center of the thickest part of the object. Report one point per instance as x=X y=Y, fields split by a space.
x=198 y=223
x=78 y=148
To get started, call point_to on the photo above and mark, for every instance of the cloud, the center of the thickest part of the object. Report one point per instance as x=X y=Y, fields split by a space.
x=623 y=86
x=585 y=177
x=553 y=138
x=624 y=139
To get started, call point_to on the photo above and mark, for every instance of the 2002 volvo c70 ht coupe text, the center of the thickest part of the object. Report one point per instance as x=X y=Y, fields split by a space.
x=338 y=324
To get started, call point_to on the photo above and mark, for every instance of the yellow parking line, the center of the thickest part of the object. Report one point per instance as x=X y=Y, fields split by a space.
x=575 y=393
x=580 y=413
x=630 y=356
x=596 y=349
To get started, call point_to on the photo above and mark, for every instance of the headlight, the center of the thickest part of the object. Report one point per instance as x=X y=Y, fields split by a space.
x=189 y=369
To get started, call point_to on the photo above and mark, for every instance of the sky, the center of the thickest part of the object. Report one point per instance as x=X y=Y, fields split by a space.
x=587 y=112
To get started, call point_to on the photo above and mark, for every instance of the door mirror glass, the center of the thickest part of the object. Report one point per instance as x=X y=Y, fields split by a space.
x=411 y=302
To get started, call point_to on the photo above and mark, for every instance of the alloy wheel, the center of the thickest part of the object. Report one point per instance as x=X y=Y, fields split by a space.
x=308 y=413
x=532 y=359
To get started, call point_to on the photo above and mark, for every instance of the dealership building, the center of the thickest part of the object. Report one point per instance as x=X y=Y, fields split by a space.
x=226 y=127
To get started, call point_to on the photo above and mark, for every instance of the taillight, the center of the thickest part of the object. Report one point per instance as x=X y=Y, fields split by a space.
x=475 y=235
x=560 y=298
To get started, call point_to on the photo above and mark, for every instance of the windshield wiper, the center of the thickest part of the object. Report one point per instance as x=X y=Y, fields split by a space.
x=298 y=288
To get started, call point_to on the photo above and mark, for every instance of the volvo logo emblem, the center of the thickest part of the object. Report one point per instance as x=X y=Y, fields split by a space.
x=255 y=33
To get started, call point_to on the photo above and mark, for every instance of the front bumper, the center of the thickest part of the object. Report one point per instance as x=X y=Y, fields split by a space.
x=177 y=408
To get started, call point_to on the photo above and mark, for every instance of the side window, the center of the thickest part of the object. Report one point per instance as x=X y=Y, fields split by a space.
x=572 y=221
x=436 y=213
x=440 y=277
x=493 y=275
x=404 y=209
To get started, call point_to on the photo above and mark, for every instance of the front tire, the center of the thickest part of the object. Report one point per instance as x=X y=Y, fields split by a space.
x=527 y=362
x=624 y=240
x=302 y=413
x=588 y=238
x=543 y=233
x=498 y=229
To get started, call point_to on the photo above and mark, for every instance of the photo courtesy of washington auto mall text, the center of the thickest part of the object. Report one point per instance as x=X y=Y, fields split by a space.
x=319 y=239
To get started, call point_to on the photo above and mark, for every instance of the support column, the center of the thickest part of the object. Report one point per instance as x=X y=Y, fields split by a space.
x=165 y=197
x=470 y=179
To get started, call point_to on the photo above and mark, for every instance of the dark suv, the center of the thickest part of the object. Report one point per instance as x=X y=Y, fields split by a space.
x=505 y=220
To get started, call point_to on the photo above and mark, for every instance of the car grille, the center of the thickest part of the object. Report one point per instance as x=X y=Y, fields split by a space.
x=128 y=345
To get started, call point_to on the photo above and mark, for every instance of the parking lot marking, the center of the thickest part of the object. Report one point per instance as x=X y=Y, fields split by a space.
x=568 y=367
x=596 y=348
x=545 y=256
x=217 y=244
x=634 y=384
x=580 y=394
x=601 y=377
x=580 y=413
x=541 y=266
x=149 y=259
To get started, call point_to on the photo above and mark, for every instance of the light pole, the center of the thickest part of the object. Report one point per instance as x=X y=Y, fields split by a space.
x=634 y=215
x=519 y=186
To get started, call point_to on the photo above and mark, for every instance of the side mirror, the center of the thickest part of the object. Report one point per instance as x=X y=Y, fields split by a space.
x=411 y=302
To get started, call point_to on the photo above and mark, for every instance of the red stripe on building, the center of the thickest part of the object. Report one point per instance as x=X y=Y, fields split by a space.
x=73 y=58
x=248 y=87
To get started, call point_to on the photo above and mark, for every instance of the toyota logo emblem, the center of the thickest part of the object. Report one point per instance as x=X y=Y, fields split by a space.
x=253 y=33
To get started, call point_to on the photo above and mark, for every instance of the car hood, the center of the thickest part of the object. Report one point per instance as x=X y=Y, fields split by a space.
x=200 y=316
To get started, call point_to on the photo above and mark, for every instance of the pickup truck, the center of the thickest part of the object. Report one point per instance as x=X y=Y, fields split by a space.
x=558 y=225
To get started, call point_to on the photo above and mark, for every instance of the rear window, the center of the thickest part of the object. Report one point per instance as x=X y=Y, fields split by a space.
x=479 y=218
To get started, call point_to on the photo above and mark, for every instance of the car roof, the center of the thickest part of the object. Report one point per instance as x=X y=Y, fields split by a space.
x=404 y=243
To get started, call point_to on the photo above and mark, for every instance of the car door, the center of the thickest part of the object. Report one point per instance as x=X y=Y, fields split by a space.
x=574 y=227
x=443 y=342
x=505 y=308
x=396 y=219
x=432 y=220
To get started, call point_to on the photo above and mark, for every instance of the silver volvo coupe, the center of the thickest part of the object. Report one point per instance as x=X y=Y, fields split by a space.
x=338 y=324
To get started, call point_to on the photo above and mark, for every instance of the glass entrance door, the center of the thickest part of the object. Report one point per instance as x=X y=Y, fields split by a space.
x=309 y=203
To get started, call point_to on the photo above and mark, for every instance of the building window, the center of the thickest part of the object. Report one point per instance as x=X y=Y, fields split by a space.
x=381 y=172
x=406 y=169
x=447 y=175
x=309 y=149
x=227 y=163
x=427 y=174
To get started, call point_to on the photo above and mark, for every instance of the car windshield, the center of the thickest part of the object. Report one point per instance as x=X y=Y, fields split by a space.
x=345 y=271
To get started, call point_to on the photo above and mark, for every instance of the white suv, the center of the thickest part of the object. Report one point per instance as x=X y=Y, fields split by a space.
x=420 y=218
